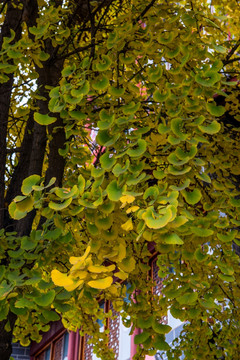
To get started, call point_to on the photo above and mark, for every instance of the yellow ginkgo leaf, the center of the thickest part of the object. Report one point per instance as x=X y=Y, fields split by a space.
x=81 y=274
x=100 y=268
x=74 y=285
x=127 y=199
x=75 y=259
x=60 y=279
x=128 y=225
x=132 y=209
x=101 y=283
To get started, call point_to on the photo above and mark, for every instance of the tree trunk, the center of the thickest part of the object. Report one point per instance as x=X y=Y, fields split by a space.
x=6 y=337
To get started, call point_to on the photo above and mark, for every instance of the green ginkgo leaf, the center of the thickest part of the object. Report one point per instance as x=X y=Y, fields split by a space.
x=101 y=284
x=28 y=183
x=60 y=206
x=106 y=120
x=202 y=232
x=50 y=315
x=141 y=338
x=161 y=97
x=200 y=256
x=101 y=83
x=117 y=92
x=230 y=236
x=172 y=239
x=114 y=191
x=155 y=73
x=45 y=299
x=68 y=70
x=212 y=128
x=81 y=184
x=27 y=243
x=188 y=298
x=176 y=127
x=43 y=56
x=209 y=78
x=104 y=64
x=139 y=149
x=175 y=171
x=107 y=161
x=15 y=213
x=192 y=197
x=215 y=111
x=105 y=139
x=173 y=159
x=26 y=204
x=44 y=119
x=159 y=174
x=227 y=278
x=161 y=328
x=66 y=193
x=156 y=221
x=152 y=191
x=118 y=170
x=160 y=343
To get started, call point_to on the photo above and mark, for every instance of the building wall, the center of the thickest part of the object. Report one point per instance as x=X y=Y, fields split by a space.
x=19 y=352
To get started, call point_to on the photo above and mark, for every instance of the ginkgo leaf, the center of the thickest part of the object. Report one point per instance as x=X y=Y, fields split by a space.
x=139 y=150
x=66 y=193
x=107 y=161
x=80 y=259
x=208 y=78
x=141 y=338
x=202 y=232
x=215 y=110
x=156 y=221
x=116 y=91
x=161 y=97
x=28 y=183
x=77 y=115
x=118 y=170
x=60 y=279
x=176 y=127
x=98 y=269
x=127 y=199
x=106 y=120
x=101 y=284
x=44 y=119
x=101 y=83
x=60 y=206
x=188 y=298
x=230 y=236
x=104 y=63
x=25 y=205
x=45 y=299
x=192 y=197
x=15 y=213
x=172 y=239
x=211 y=129
x=114 y=191
x=161 y=328
x=128 y=225
x=127 y=264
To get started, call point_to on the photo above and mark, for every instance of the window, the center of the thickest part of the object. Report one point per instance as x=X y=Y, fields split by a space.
x=56 y=350
x=119 y=339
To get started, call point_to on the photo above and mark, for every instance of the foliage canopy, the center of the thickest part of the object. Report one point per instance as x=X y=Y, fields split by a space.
x=119 y=134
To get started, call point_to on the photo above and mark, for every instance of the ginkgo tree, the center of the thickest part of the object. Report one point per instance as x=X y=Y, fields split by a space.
x=119 y=136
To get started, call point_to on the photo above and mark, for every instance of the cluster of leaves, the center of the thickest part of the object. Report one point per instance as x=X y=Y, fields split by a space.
x=162 y=173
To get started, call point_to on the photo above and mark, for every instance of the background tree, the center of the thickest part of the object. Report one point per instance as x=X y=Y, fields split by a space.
x=157 y=84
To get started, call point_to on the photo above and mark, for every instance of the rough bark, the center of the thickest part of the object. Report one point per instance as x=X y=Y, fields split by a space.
x=12 y=21
x=6 y=336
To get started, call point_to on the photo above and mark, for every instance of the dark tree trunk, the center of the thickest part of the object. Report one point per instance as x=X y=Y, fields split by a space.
x=12 y=22
x=6 y=337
